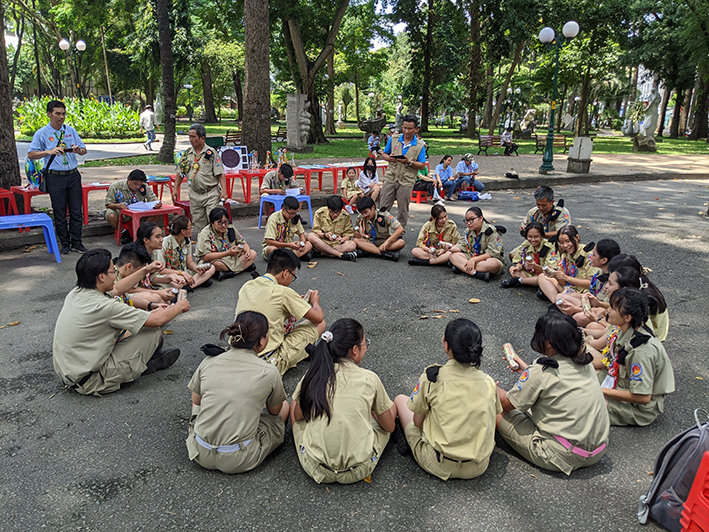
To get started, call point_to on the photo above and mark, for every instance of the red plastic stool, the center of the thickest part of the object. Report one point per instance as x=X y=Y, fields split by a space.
x=419 y=196
x=695 y=515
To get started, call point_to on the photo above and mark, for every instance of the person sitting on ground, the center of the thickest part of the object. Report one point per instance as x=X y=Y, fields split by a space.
x=377 y=233
x=134 y=258
x=341 y=414
x=221 y=244
x=123 y=285
x=369 y=179
x=529 y=259
x=468 y=169
x=122 y=194
x=451 y=438
x=149 y=238
x=350 y=190
x=555 y=414
x=552 y=217
x=506 y=142
x=176 y=255
x=445 y=176
x=279 y=180
x=100 y=343
x=436 y=239
x=229 y=430
x=271 y=295
x=479 y=252
x=332 y=230
x=638 y=372
x=575 y=270
x=282 y=229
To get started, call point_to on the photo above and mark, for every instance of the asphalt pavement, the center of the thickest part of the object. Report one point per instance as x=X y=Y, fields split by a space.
x=119 y=462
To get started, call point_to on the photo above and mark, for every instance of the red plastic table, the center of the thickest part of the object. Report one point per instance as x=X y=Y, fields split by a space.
x=307 y=173
x=11 y=203
x=136 y=216
x=27 y=194
x=85 y=189
x=153 y=183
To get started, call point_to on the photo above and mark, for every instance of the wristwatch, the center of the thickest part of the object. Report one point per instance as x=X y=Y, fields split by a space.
x=411 y=163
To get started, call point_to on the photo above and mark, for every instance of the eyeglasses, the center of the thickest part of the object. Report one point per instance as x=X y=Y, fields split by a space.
x=114 y=271
x=222 y=222
x=367 y=342
x=295 y=277
x=471 y=220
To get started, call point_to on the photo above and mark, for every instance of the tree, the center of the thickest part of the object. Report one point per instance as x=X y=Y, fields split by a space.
x=257 y=94
x=168 y=80
x=9 y=165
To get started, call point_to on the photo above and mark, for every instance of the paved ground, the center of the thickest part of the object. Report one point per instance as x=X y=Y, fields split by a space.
x=119 y=462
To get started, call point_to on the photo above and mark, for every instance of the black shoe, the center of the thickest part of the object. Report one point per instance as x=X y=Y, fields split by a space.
x=251 y=268
x=484 y=276
x=254 y=274
x=225 y=275
x=350 y=256
x=307 y=256
x=206 y=284
x=541 y=295
x=399 y=438
x=316 y=253
x=78 y=247
x=450 y=265
x=390 y=255
x=510 y=283
x=125 y=237
x=455 y=269
x=413 y=261
x=360 y=253
x=65 y=249
x=161 y=360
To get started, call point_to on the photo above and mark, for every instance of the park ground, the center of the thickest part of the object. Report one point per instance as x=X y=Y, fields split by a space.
x=119 y=462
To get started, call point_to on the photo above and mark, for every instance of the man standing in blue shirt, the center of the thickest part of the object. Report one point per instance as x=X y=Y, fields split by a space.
x=59 y=144
x=467 y=169
x=406 y=155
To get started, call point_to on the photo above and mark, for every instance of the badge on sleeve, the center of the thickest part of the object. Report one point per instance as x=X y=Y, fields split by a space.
x=566 y=217
x=416 y=389
x=635 y=371
x=522 y=378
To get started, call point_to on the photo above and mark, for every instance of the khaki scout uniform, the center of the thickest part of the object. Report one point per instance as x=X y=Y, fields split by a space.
x=489 y=243
x=399 y=179
x=552 y=222
x=174 y=255
x=86 y=347
x=209 y=241
x=660 y=324
x=283 y=307
x=341 y=226
x=272 y=182
x=347 y=449
x=378 y=230
x=236 y=432
x=543 y=255
x=430 y=236
x=119 y=192
x=202 y=172
x=350 y=188
x=458 y=433
x=281 y=230
x=567 y=265
x=563 y=402
x=647 y=371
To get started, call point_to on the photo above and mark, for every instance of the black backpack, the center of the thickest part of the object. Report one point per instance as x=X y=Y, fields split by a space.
x=675 y=469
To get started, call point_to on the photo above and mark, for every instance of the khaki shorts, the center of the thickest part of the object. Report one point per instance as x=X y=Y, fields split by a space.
x=292 y=350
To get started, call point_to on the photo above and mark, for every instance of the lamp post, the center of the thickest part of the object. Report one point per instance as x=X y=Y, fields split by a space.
x=77 y=49
x=554 y=42
x=188 y=86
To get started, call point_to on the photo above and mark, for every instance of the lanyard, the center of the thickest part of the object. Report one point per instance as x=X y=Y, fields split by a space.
x=60 y=142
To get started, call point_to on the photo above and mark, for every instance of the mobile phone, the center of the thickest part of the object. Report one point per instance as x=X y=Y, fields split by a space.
x=398 y=156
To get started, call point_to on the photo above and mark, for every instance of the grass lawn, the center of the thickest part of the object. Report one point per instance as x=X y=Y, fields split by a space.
x=137 y=160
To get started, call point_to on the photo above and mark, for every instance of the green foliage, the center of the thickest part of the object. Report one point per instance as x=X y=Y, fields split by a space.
x=92 y=119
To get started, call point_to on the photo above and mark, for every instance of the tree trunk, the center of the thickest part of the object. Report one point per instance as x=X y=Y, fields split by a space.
x=257 y=83
x=687 y=101
x=503 y=89
x=356 y=84
x=236 y=77
x=474 y=72
x=582 y=111
x=316 y=135
x=9 y=165
x=168 y=80
x=489 y=88
x=633 y=85
x=330 y=119
x=674 y=124
x=699 y=123
x=426 y=92
x=17 y=56
x=663 y=110
x=210 y=116
x=36 y=54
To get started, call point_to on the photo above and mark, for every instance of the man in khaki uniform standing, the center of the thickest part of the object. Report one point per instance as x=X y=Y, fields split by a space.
x=406 y=155
x=272 y=296
x=204 y=171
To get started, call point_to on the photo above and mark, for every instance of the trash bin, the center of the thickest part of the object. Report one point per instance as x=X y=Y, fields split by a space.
x=214 y=142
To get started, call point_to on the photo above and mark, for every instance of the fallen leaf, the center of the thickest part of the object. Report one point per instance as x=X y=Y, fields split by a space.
x=364 y=309
x=700 y=378
x=657 y=199
x=312 y=265
x=168 y=332
x=327 y=489
x=516 y=197
x=12 y=324
x=620 y=186
x=368 y=479
x=411 y=215
x=423 y=317
x=438 y=317
x=533 y=476
x=340 y=273
x=440 y=311
x=473 y=300
x=29 y=249
x=2 y=326
x=454 y=311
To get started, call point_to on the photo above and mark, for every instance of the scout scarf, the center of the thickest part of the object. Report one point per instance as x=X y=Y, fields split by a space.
x=120 y=197
x=597 y=282
x=568 y=266
x=428 y=241
x=61 y=143
x=610 y=360
x=175 y=261
x=473 y=242
x=216 y=241
x=283 y=232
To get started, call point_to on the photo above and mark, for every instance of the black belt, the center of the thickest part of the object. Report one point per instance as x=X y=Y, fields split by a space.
x=82 y=381
x=439 y=456
x=61 y=172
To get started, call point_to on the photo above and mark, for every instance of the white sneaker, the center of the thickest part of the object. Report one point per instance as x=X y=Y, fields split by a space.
x=349 y=209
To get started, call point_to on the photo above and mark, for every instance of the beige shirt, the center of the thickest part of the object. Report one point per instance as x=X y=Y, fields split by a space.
x=567 y=265
x=350 y=188
x=647 y=369
x=430 y=236
x=460 y=409
x=209 y=241
x=341 y=226
x=566 y=401
x=526 y=248
x=119 y=192
x=234 y=386
x=280 y=229
x=278 y=303
x=661 y=324
x=550 y=226
x=201 y=170
x=378 y=230
x=490 y=244
x=271 y=181
x=87 y=330
x=348 y=439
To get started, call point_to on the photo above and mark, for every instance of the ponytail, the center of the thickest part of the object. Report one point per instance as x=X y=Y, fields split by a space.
x=464 y=339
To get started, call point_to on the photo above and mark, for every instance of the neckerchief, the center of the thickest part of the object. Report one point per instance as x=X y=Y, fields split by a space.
x=216 y=241
x=610 y=356
x=568 y=267
x=283 y=232
x=175 y=262
x=544 y=220
x=596 y=284
x=474 y=243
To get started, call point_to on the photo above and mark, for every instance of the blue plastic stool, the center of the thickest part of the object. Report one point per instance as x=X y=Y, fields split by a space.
x=34 y=220
x=277 y=201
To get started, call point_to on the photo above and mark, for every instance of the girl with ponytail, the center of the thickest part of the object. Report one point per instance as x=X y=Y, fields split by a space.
x=555 y=414
x=229 y=430
x=449 y=420
x=341 y=414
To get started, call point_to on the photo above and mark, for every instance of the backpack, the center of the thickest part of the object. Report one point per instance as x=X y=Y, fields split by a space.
x=675 y=469
x=468 y=195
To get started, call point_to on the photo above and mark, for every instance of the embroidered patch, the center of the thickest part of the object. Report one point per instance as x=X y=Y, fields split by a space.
x=416 y=389
x=522 y=378
x=51 y=139
x=499 y=242
x=391 y=218
x=635 y=371
x=566 y=217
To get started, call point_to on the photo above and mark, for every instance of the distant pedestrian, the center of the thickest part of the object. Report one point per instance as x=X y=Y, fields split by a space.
x=147 y=123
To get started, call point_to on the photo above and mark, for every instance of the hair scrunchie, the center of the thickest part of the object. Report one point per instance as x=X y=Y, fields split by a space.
x=326 y=337
x=643 y=285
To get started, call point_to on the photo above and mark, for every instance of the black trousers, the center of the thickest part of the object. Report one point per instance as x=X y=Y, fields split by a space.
x=65 y=191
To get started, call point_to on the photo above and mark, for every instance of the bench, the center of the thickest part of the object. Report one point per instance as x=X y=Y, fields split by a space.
x=232 y=136
x=280 y=135
x=487 y=141
x=559 y=142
